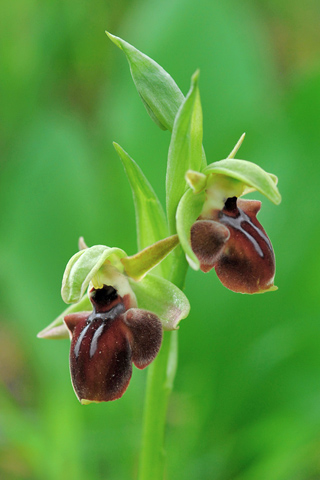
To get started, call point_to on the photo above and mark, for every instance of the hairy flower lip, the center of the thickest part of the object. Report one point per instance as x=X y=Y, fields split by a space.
x=105 y=343
x=244 y=260
x=208 y=238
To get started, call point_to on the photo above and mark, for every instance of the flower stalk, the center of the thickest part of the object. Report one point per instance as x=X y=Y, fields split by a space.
x=160 y=379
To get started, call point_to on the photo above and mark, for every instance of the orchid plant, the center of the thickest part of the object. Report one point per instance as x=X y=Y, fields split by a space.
x=120 y=313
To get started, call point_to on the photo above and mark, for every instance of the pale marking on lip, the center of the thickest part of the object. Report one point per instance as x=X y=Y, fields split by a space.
x=105 y=317
x=95 y=338
x=236 y=223
x=81 y=337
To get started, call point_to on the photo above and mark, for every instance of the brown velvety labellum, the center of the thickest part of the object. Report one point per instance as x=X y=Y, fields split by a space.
x=207 y=241
x=106 y=341
x=100 y=360
x=146 y=330
x=247 y=263
x=234 y=242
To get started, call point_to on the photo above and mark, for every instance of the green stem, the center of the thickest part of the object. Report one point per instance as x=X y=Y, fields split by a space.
x=159 y=386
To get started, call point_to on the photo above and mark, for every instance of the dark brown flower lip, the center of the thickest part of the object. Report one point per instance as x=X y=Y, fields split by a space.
x=111 y=314
x=240 y=221
x=104 y=344
x=244 y=260
x=208 y=239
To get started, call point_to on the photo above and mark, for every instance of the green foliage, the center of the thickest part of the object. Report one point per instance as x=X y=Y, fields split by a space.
x=252 y=411
x=185 y=151
x=158 y=91
x=150 y=217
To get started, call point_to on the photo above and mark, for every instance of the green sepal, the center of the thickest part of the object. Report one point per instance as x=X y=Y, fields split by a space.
x=138 y=265
x=160 y=94
x=250 y=174
x=83 y=266
x=185 y=151
x=54 y=330
x=274 y=178
x=150 y=218
x=188 y=211
x=163 y=298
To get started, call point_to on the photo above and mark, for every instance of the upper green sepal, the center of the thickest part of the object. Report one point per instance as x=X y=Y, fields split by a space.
x=83 y=266
x=249 y=174
x=159 y=93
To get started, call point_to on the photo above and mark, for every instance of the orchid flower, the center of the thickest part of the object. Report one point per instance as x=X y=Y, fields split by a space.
x=118 y=314
x=219 y=230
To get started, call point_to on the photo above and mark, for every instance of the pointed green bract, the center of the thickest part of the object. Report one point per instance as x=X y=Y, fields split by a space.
x=137 y=266
x=150 y=217
x=83 y=266
x=188 y=211
x=185 y=151
x=49 y=332
x=160 y=94
x=250 y=174
x=233 y=152
x=162 y=298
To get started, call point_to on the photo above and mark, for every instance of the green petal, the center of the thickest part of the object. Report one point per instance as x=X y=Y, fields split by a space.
x=196 y=180
x=137 y=266
x=185 y=150
x=51 y=331
x=150 y=217
x=250 y=174
x=188 y=211
x=163 y=298
x=233 y=152
x=82 y=267
x=160 y=94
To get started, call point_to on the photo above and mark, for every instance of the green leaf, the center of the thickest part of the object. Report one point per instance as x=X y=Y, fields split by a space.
x=250 y=174
x=185 y=151
x=188 y=211
x=160 y=94
x=163 y=298
x=137 y=266
x=150 y=217
x=52 y=332
x=83 y=266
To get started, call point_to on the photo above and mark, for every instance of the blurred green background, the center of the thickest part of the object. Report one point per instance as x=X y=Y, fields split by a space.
x=246 y=404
